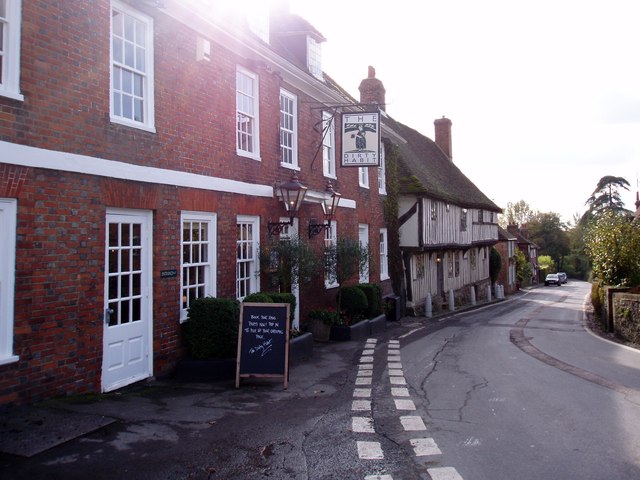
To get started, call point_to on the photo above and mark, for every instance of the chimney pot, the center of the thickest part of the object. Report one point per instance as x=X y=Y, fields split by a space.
x=372 y=90
x=443 y=135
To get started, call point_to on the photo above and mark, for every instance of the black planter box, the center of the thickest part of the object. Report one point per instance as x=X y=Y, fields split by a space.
x=378 y=324
x=341 y=333
x=207 y=369
x=300 y=347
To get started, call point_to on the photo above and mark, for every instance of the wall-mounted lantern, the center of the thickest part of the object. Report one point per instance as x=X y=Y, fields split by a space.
x=292 y=194
x=329 y=207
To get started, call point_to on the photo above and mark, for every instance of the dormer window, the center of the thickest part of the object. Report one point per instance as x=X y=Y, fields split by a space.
x=314 y=57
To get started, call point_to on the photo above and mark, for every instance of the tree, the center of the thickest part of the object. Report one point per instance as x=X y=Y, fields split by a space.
x=524 y=270
x=546 y=263
x=606 y=196
x=518 y=213
x=288 y=262
x=548 y=232
x=612 y=241
x=344 y=260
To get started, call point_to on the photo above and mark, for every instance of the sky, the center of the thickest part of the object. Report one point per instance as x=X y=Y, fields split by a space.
x=544 y=96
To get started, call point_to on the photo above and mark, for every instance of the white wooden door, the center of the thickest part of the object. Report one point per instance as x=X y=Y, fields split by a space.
x=127 y=351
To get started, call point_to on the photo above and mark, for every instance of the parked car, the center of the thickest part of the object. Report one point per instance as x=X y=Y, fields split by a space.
x=563 y=277
x=552 y=279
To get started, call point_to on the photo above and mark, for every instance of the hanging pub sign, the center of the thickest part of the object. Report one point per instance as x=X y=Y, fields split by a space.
x=361 y=139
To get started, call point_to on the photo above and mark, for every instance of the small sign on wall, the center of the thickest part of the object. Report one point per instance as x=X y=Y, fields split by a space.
x=361 y=139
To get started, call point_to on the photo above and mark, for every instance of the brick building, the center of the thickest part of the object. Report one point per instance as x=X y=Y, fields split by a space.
x=142 y=147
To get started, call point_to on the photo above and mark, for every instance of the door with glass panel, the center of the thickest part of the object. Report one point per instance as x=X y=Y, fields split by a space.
x=127 y=352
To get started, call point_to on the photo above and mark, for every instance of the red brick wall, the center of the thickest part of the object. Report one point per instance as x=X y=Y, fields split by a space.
x=61 y=216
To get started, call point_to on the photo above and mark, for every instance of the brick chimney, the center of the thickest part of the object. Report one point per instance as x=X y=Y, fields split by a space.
x=443 y=135
x=372 y=90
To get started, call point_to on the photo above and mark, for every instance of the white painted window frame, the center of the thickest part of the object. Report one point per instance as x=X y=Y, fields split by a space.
x=382 y=171
x=11 y=33
x=210 y=267
x=252 y=148
x=8 y=225
x=328 y=145
x=254 y=264
x=384 y=254
x=290 y=130
x=148 y=110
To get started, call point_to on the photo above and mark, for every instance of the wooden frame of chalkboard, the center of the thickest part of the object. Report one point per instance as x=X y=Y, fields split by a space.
x=263 y=341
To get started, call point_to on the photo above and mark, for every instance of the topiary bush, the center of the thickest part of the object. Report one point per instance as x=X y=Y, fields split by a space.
x=374 y=298
x=211 y=329
x=353 y=302
x=284 y=297
x=258 y=297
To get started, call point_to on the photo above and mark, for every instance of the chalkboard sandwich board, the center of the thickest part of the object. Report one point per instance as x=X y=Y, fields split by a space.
x=263 y=341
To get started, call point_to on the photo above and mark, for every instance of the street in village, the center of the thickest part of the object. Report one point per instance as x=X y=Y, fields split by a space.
x=515 y=389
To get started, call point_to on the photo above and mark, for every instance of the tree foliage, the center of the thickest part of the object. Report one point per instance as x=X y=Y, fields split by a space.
x=612 y=242
x=518 y=213
x=606 y=197
x=288 y=262
x=524 y=270
x=550 y=234
x=546 y=263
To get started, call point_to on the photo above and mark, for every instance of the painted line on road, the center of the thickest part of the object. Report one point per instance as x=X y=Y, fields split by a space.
x=397 y=381
x=362 y=392
x=364 y=380
x=365 y=366
x=378 y=477
x=399 y=391
x=361 y=405
x=396 y=372
x=368 y=351
x=370 y=450
x=444 y=473
x=366 y=359
x=404 y=404
x=413 y=423
x=425 y=446
x=394 y=365
x=362 y=425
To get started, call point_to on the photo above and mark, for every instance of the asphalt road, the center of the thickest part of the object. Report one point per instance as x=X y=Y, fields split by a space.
x=515 y=390
x=522 y=391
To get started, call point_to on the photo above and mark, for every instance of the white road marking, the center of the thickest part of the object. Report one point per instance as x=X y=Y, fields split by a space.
x=362 y=392
x=425 y=446
x=366 y=359
x=362 y=425
x=444 y=473
x=472 y=442
x=365 y=373
x=404 y=404
x=394 y=359
x=395 y=380
x=372 y=340
x=378 y=477
x=368 y=351
x=361 y=405
x=413 y=423
x=411 y=332
x=394 y=342
x=399 y=391
x=394 y=347
x=370 y=451
x=394 y=365
x=365 y=380
x=396 y=373
x=365 y=366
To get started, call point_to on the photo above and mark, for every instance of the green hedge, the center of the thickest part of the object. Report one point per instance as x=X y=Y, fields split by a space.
x=211 y=329
x=373 y=293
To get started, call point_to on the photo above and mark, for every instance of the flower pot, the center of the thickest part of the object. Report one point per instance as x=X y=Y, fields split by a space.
x=320 y=330
x=341 y=333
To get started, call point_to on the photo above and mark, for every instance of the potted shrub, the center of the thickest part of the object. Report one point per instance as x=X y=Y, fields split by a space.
x=351 y=325
x=211 y=335
x=320 y=322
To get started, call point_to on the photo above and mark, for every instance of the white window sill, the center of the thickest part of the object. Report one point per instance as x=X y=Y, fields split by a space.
x=9 y=359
